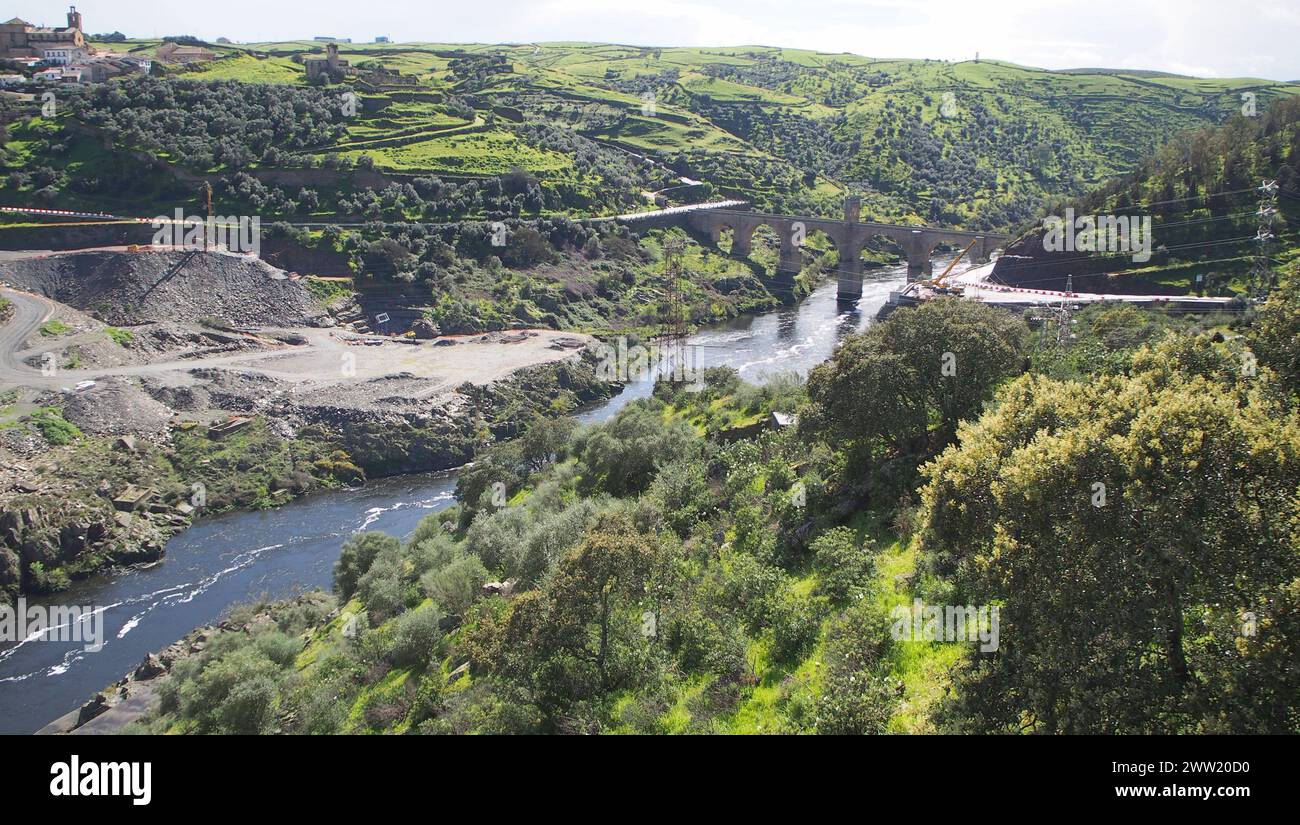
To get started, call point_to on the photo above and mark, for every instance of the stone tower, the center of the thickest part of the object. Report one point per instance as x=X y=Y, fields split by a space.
x=852 y=209
x=74 y=18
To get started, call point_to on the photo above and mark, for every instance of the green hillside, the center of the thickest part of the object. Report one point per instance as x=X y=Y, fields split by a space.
x=976 y=144
x=1202 y=193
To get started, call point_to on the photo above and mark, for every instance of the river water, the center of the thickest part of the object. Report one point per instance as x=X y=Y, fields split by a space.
x=240 y=557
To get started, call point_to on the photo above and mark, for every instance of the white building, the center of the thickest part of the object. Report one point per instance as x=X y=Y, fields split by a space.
x=12 y=80
x=61 y=54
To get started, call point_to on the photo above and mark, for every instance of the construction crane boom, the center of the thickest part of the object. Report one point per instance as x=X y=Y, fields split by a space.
x=938 y=282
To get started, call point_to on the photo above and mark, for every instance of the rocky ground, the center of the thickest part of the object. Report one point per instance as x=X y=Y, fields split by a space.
x=148 y=286
x=242 y=382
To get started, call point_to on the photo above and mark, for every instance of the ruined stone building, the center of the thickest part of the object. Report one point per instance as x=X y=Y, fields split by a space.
x=330 y=64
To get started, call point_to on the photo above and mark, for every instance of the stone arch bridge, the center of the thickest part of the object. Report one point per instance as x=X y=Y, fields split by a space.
x=849 y=235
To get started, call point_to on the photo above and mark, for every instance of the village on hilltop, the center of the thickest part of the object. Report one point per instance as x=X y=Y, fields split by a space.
x=43 y=55
x=48 y=55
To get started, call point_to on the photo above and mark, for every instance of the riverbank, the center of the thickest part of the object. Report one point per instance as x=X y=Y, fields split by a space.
x=282 y=552
x=79 y=500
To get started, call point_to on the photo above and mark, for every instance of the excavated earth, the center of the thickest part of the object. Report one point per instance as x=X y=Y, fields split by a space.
x=125 y=289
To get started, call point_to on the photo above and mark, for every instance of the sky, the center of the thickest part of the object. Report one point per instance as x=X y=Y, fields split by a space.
x=1211 y=38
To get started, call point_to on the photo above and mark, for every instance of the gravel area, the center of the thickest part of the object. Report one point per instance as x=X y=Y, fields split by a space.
x=139 y=287
x=116 y=406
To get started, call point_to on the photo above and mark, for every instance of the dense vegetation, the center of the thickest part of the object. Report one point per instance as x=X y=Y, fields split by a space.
x=1202 y=193
x=1127 y=500
x=204 y=125
x=975 y=143
x=671 y=571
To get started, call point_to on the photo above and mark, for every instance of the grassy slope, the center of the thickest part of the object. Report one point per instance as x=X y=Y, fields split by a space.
x=1028 y=132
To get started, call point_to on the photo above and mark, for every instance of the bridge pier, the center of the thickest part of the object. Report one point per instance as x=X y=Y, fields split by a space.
x=850 y=276
x=742 y=239
x=918 y=249
x=791 y=258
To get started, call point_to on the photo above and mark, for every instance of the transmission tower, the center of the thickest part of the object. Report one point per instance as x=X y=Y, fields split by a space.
x=1261 y=271
x=1065 y=316
x=672 y=337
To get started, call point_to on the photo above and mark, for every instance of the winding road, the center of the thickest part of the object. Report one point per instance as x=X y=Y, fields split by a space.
x=29 y=312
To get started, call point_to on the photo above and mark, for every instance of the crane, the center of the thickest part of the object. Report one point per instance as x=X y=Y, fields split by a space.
x=937 y=283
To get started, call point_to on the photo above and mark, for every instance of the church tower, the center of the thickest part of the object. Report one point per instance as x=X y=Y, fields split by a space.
x=74 y=18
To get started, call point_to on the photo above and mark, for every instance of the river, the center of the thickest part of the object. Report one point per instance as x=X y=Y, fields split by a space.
x=240 y=557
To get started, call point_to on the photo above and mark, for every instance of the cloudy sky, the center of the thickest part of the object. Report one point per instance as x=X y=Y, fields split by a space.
x=1255 y=38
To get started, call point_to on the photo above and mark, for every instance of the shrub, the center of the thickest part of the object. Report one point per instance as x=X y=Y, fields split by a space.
x=796 y=621
x=54 y=428
x=358 y=554
x=455 y=586
x=249 y=707
x=856 y=696
x=383 y=589
x=278 y=647
x=415 y=635
x=236 y=690
x=843 y=564
x=623 y=455
x=121 y=337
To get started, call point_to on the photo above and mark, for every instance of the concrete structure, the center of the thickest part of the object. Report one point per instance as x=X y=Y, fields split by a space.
x=384 y=79
x=849 y=236
x=129 y=62
x=19 y=39
x=974 y=285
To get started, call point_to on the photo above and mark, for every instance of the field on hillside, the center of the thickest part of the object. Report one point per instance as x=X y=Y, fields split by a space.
x=977 y=144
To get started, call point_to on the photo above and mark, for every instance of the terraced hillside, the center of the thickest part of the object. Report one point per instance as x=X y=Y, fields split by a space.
x=606 y=127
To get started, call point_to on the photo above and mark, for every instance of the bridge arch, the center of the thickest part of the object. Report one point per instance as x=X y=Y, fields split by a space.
x=849 y=236
x=823 y=248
